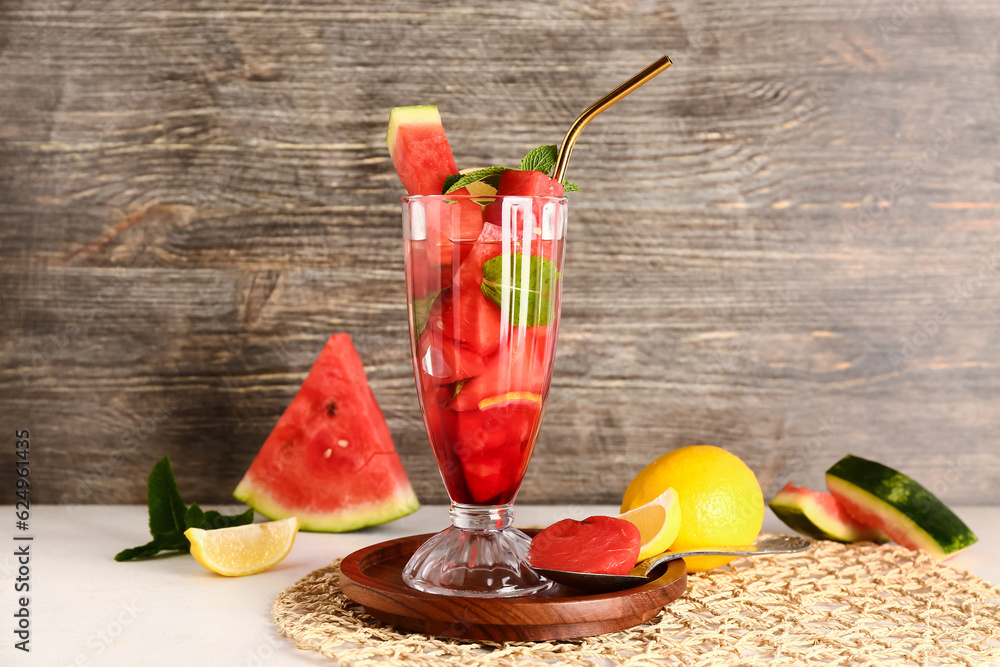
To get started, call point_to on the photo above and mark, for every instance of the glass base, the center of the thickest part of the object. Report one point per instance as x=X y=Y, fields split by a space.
x=480 y=555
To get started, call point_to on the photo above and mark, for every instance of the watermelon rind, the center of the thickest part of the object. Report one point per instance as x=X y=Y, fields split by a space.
x=800 y=511
x=330 y=460
x=903 y=509
x=425 y=114
x=421 y=153
x=403 y=503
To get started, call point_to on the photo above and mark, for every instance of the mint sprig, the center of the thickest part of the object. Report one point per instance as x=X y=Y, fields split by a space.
x=169 y=517
x=537 y=289
x=489 y=175
x=542 y=158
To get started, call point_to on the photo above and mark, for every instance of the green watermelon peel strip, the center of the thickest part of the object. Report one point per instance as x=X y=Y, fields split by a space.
x=879 y=496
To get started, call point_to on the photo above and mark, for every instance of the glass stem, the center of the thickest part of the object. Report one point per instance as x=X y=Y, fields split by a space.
x=488 y=518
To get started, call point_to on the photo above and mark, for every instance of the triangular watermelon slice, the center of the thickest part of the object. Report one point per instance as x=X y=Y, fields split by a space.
x=330 y=460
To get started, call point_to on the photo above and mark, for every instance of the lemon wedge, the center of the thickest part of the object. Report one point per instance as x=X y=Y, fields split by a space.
x=478 y=189
x=658 y=521
x=243 y=550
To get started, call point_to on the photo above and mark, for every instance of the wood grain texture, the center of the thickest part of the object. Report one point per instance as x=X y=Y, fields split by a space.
x=787 y=245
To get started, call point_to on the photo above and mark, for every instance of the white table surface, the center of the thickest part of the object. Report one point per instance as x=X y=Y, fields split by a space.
x=87 y=609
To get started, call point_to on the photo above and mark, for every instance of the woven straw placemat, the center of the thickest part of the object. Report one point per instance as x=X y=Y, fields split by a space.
x=835 y=604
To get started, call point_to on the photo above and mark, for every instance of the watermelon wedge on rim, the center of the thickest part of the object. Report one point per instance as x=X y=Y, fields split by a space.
x=423 y=160
x=330 y=460
x=419 y=149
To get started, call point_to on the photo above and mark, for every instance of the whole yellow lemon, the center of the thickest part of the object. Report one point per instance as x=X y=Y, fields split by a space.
x=720 y=498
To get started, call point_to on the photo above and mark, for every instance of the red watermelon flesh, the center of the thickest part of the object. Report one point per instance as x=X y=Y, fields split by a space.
x=599 y=545
x=330 y=460
x=419 y=148
x=491 y=445
x=487 y=246
x=522 y=184
x=446 y=359
x=440 y=420
x=528 y=184
x=423 y=160
x=426 y=280
x=819 y=515
x=465 y=314
x=452 y=226
x=490 y=245
x=521 y=367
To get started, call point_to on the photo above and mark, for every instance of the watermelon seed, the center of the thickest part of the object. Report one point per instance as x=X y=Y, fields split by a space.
x=331 y=408
x=327 y=453
x=342 y=443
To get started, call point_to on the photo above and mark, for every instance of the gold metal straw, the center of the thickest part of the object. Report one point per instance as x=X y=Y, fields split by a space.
x=600 y=105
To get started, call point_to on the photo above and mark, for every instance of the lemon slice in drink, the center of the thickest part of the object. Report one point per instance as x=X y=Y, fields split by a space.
x=243 y=550
x=478 y=189
x=658 y=522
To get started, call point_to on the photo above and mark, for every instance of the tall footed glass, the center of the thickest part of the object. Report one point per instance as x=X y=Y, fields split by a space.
x=483 y=281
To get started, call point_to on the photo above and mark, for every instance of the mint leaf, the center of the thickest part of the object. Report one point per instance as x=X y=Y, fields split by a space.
x=540 y=159
x=215 y=520
x=536 y=288
x=194 y=517
x=489 y=175
x=543 y=159
x=145 y=551
x=166 y=509
x=422 y=311
x=170 y=540
x=173 y=540
x=169 y=517
x=210 y=520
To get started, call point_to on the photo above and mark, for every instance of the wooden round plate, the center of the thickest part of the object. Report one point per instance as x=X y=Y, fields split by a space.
x=373 y=577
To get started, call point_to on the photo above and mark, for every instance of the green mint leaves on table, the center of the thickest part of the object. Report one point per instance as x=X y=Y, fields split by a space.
x=169 y=517
x=541 y=159
x=542 y=274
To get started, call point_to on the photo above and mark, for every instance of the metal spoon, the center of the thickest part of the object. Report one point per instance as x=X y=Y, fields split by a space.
x=642 y=573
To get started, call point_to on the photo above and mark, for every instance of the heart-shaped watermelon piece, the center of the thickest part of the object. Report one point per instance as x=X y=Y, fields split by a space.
x=599 y=545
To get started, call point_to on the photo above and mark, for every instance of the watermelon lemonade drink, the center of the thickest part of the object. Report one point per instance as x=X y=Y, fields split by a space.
x=484 y=277
x=484 y=254
x=484 y=340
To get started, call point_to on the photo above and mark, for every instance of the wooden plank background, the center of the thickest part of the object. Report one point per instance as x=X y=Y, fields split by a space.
x=786 y=245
